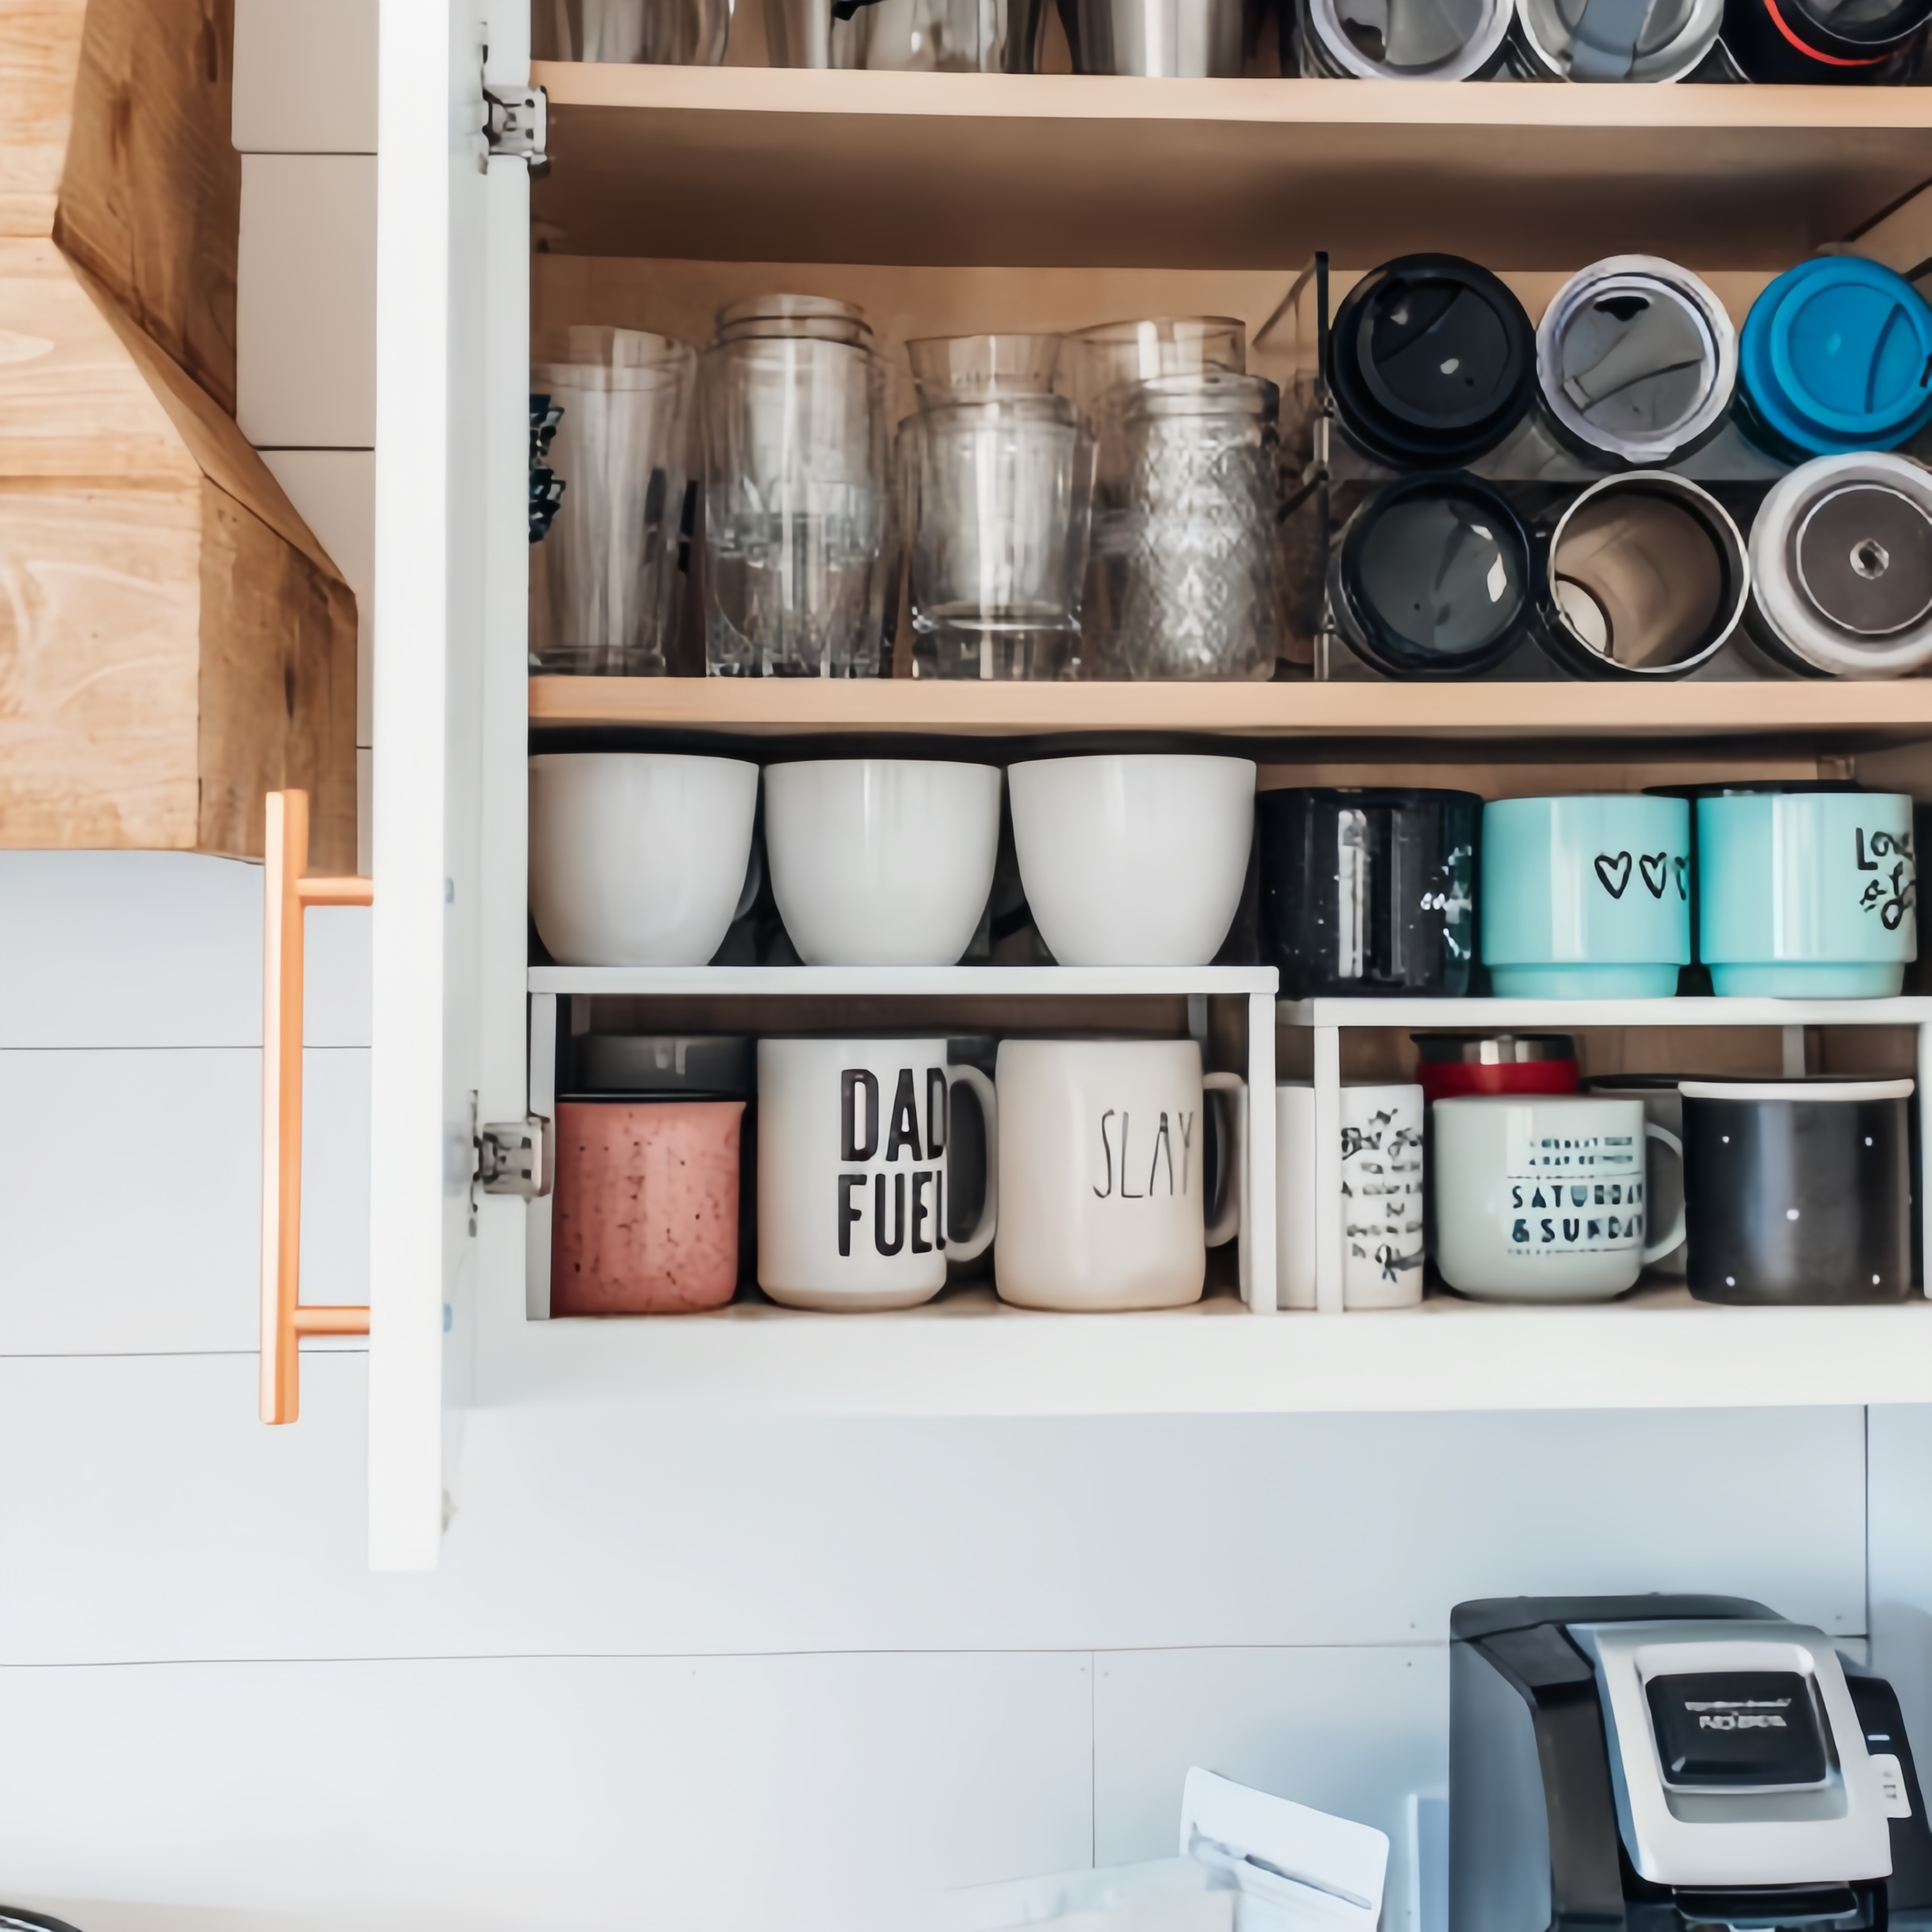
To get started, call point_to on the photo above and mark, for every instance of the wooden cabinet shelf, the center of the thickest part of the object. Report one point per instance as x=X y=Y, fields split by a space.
x=760 y=165
x=1848 y=716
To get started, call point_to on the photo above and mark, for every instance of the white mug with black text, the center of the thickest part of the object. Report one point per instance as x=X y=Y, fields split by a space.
x=1102 y=1173
x=851 y=1171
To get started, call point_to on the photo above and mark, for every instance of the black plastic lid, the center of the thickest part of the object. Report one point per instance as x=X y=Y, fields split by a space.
x=1431 y=360
x=1432 y=577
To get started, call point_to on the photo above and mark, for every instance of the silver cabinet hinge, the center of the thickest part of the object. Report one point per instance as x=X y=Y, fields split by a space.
x=516 y=1157
x=517 y=123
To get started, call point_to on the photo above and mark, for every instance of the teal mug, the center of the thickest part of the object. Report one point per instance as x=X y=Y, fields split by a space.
x=1806 y=895
x=1586 y=898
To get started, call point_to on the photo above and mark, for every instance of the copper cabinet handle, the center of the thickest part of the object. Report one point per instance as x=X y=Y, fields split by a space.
x=287 y=895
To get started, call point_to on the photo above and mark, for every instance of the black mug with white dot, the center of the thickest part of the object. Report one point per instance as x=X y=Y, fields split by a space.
x=1798 y=1192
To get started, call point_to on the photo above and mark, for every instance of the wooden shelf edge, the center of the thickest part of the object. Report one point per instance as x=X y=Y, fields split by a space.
x=1558 y=710
x=614 y=85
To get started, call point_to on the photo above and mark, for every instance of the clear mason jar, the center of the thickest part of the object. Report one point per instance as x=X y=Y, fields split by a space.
x=1195 y=558
x=604 y=582
x=797 y=543
x=995 y=493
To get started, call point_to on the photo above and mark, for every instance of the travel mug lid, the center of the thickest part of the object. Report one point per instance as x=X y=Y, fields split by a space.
x=1637 y=40
x=1841 y=563
x=1837 y=356
x=1644 y=575
x=1637 y=359
x=1431 y=360
x=1431 y=577
x=1493 y=1049
x=694 y=1065
x=1850 y=28
x=1410 y=39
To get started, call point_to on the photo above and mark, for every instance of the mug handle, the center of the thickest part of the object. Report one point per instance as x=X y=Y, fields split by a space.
x=1657 y=1250
x=975 y=1243
x=1227 y=1224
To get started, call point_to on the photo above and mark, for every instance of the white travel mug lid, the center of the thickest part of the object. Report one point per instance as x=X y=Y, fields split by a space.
x=1636 y=360
x=1410 y=39
x=1841 y=565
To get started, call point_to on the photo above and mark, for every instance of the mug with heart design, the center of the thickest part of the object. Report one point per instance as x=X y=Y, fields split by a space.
x=1807 y=894
x=1586 y=896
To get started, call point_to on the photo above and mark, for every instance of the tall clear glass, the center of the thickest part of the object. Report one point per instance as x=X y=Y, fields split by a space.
x=670 y=33
x=1103 y=369
x=604 y=582
x=1196 y=558
x=995 y=497
x=797 y=548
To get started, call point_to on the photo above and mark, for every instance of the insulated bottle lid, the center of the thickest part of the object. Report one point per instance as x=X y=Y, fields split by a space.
x=1408 y=39
x=1837 y=356
x=1841 y=565
x=1431 y=360
x=1431 y=577
x=1640 y=40
x=1637 y=359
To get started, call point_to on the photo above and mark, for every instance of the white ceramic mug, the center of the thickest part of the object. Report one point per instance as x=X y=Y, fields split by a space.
x=1102 y=1169
x=1542 y=1197
x=851 y=1171
x=1381 y=1130
x=639 y=858
x=882 y=861
x=1133 y=859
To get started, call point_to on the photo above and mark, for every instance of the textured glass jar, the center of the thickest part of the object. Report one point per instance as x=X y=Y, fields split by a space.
x=995 y=495
x=796 y=544
x=1195 y=559
x=604 y=581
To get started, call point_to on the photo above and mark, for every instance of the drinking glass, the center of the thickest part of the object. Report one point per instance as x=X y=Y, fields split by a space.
x=1101 y=368
x=943 y=36
x=1193 y=558
x=604 y=582
x=670 y=33
x=797 y=541
x=995 y=493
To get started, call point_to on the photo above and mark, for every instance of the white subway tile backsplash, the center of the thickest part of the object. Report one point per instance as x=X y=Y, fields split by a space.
x=540 y=1792
x=160 y=949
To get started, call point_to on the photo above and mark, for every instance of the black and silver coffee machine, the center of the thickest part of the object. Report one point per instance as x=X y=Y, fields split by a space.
x=1663 y=1764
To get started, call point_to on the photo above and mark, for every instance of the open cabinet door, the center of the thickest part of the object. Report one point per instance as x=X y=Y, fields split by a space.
x=444 y=456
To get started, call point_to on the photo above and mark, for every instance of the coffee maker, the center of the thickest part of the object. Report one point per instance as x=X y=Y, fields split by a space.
x=1668 y=1764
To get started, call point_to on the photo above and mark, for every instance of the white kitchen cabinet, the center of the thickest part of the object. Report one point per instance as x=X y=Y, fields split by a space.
x=951 y=202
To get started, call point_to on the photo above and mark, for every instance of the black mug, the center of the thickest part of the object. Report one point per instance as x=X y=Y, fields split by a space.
x=1798 y=1192
x=1369 y=892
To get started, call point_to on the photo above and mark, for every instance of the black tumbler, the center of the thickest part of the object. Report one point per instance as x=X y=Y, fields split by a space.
x=1369 y=892
x=1798 y=1192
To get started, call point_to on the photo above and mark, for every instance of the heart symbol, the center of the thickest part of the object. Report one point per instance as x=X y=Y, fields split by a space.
x=1656 y=868
x=1615 y=872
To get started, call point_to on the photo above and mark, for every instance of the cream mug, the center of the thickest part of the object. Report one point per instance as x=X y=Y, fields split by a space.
x=852 y=1136
x=1543 y=1197
x=1102 y=1165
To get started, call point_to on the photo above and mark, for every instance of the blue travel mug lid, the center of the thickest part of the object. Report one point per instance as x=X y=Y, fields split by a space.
x=1836 y=355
